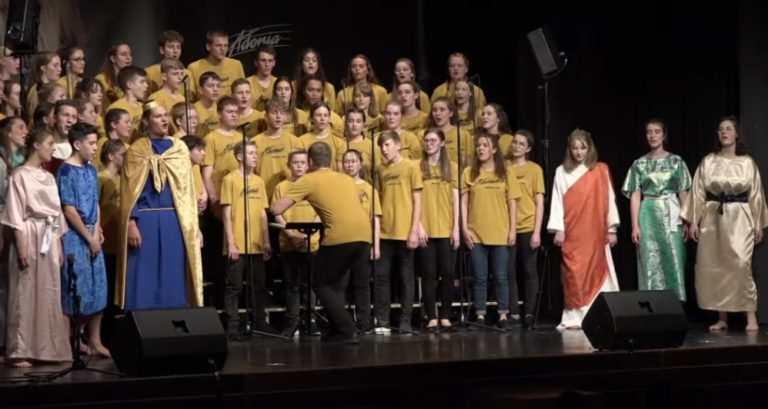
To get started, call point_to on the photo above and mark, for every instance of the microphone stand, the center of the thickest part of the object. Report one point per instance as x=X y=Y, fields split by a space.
x=186 y=104
x=250 y=304
x=308 y=229
x=77 y=361
x=544 y=132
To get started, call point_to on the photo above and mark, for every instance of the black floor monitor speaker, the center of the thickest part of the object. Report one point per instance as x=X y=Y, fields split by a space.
x=545 y=50
x=635 y=320
x=167 y=342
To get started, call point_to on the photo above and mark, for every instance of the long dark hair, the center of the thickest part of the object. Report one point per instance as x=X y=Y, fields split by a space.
x=5 y=135
x=445 y=161
x=741 y=148
x=500 y=167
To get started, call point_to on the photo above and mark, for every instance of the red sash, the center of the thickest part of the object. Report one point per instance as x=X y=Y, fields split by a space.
x=585 y=207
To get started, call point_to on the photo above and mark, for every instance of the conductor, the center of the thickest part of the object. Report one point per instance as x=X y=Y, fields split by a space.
x=346 y=239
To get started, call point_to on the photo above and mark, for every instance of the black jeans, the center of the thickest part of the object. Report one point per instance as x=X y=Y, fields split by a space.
x=332 y=265
x=361 y=291
x=437 y=259
x=393 y=249
x=296 y=278
x=522 y=251
x=234 y=287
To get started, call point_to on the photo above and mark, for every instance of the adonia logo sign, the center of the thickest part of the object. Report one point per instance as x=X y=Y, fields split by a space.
x=248 y=40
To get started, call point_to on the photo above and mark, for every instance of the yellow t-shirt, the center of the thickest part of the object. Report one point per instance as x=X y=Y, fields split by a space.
x=220 y=153
x=232 y=190
x=208 y=119
x=96 y=161
x=345 y=98
x=335 y=143
x=197 y=177
x=155 y=79
x=229 y=70
x=505 y=144
x=333 y=195
x=253 y=123
x=134 y=112
x=109 y=205
x=273 y=158
x=424 y=105
x=300 y=212
x=489 y=196
x=260 y=95
x=166 y=99
x=112 y=92
x=396 y=184
x=530 y=177
x=437 y=202
x=446 y=90
x=416 y=123
x=364 y=190
x=69 y=86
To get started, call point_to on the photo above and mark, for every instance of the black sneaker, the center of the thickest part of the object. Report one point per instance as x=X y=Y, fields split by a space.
x=262 y=326
x=528 y=321
x=293 y=326
x=350 y=339
x=505 y=324
x=405 y=327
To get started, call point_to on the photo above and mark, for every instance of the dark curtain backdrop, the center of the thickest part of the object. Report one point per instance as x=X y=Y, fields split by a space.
x=628 y=62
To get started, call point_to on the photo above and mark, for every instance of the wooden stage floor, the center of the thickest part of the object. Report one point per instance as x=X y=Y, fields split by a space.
x=520 y=368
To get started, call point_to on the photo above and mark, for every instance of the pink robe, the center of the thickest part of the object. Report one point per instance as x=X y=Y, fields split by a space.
x=36 y=325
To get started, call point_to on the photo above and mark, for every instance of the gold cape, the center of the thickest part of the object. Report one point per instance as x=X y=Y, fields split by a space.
x=173 y=167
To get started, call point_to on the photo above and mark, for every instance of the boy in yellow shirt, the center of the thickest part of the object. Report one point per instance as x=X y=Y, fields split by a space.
x=399 y=183
x=133 y=81
x=251 y=118
x=275 y=145
x=219 y=145
x=172 y=73
x=169 y=44
x=228 y=69
x=263 y=81
x=245 y=248
x=209 y=92
x=184 y=118
x=196 y=146
x=293 y=244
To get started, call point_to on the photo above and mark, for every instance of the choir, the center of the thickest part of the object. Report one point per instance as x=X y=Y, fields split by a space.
x=127 y=172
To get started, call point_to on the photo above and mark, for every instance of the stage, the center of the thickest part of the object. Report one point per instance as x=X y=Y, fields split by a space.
x=520 y=368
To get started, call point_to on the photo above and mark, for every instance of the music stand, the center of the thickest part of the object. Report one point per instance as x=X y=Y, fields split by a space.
x=308 y=229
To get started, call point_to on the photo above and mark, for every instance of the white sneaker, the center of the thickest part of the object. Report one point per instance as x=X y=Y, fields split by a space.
x=383 y=331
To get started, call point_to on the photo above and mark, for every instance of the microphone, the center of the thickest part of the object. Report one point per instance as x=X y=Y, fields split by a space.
x=475 y=79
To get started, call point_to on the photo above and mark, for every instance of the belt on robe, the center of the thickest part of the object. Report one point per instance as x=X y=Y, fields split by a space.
x=674 y=208
x=51 y=224
x=722 y=198
x=156 y=209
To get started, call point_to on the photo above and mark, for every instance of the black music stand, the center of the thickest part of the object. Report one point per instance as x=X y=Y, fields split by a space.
x=308 y=229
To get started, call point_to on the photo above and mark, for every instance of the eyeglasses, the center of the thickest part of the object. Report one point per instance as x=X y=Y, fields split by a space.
x=431 y=140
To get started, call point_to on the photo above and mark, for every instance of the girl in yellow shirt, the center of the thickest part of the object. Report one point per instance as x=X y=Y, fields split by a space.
x=355 y=140
x=365 y=101
x=310 y=63
x=295 y=121
x=405 y=71
x=489 y=196
x=414 y=120
x=439 y=229
x=495 y=121
x=119 y=56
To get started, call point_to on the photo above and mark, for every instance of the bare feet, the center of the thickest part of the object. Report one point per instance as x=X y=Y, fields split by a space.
x=100 y=351
x=19 y=363
x=85 y=349
x=718 y=326
x=445 y=323
x=432 y=324
x=573 y=327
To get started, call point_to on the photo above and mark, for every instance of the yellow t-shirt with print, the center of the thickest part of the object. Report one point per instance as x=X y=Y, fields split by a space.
x=208 y=119
x=452 y=143
x=329 y=93
x=229 y=70
x=410 y=146
x=437 y=202
x=488 y=212
x=333 y=142
x=197 y=179
x=232 y=191
x=396 y=184
x=505 y=145
x=364 y=147
x=155 y=79
x=416 y=123
x=336 y=124
x=220 y=153
x=273 y=158
x=332 y=195
x=260 y=95
x=252 y=123
x=364 y=190
x=300 y=212
x=530 y=177
x=109 y=206
x=112 y=92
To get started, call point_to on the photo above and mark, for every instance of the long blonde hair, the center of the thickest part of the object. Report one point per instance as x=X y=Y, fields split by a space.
x=580 y=135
